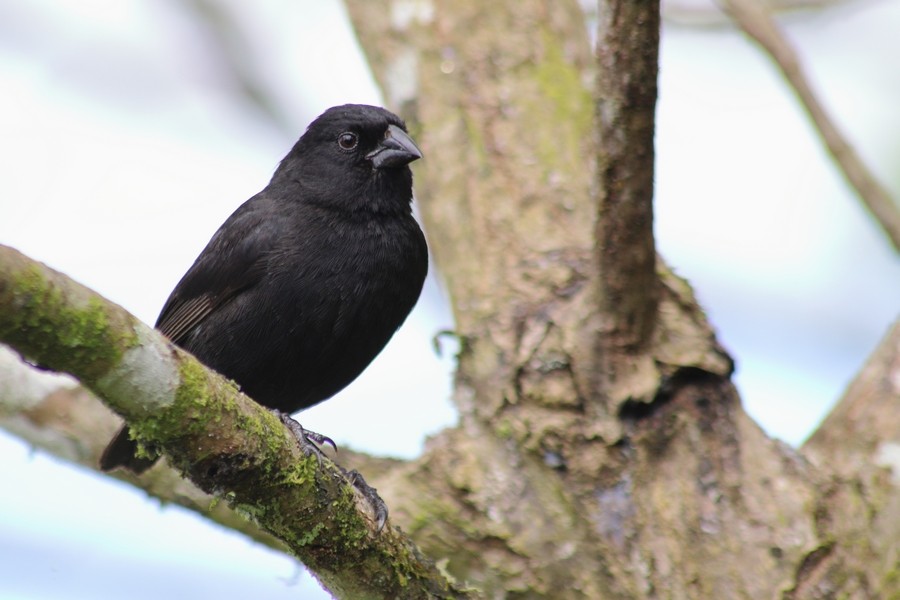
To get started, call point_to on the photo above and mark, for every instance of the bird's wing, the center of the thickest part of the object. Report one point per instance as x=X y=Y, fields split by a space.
x=234 y=260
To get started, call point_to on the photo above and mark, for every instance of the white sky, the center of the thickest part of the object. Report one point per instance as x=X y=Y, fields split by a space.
x=118 y=130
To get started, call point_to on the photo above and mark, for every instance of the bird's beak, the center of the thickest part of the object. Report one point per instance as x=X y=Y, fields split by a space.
x=395 y=150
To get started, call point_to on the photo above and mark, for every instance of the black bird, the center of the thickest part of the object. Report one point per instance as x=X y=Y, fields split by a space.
x=306 y=282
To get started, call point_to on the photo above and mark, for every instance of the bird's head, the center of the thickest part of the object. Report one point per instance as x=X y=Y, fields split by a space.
x=353 y=156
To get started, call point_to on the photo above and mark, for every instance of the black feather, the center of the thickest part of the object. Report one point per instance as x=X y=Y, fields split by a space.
x=306 y=282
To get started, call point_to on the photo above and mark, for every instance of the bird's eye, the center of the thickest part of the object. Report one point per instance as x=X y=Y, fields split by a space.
x=347 y=140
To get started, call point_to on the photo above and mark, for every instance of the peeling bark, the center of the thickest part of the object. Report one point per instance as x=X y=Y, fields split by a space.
x=596 y=458
x=664 y=484
x=626 y=286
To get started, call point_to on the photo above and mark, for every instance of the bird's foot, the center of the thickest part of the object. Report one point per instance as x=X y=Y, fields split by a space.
x=370 y=494
x=309 y=441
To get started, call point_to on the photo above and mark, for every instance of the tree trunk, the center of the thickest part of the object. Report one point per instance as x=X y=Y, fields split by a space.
x=602 y=450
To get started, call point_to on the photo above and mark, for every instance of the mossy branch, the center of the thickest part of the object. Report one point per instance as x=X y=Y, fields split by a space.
x=68 y=422
x=220 y=439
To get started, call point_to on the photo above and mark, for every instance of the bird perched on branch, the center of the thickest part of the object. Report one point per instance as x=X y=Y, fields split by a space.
x=306 y=282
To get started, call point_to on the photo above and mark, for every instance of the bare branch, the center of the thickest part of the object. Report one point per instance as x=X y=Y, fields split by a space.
x=753 y=18
x=237 y=60
x=692 y=14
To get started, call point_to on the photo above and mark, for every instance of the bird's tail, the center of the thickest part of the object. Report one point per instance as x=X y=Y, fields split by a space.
x=122 y=452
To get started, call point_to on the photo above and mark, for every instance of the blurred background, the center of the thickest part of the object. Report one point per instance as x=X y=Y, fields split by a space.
x=130 y=129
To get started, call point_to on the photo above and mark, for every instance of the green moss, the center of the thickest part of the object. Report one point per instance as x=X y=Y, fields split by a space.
x=420 y=520
x=39 y=319
x=441 y=512
x=194 y=383
x=45 y=326
x=476 y=144
x=195 y=408
x=185 y=414
x=504 y=429
x=562 y=99
x=352 y=527
x=263 y=426
x=302 y=472
x=402 y=563
x=561 y=84
x=251 y=512
x=310 y=536
x=890 y=586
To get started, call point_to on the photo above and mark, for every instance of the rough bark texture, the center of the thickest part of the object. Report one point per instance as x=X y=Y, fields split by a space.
x=858 y=446
x=627 y=287
x=58 y=416
x=221 y=440
x=574 y=473
x=603 y=451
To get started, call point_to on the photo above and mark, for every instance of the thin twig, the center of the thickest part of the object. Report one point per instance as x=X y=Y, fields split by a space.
x=754 y=19
x=689 y=13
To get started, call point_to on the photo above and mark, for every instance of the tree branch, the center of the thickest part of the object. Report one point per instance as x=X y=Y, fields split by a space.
x=224 y=442
x=505 y=122
x=503 y=186
x=70 y=423
x=626 y=285
x=754 y=19
x=854 y=434
x=539 y=492
x=860 y=440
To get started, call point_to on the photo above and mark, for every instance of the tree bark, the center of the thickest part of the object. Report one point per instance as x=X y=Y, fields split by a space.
x=602 y=451
x=595 y=398
x=224 y=442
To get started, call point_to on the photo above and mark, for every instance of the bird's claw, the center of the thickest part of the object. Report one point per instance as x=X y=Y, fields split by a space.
x=318 y=438
x=308 y=441
x=370 y=494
